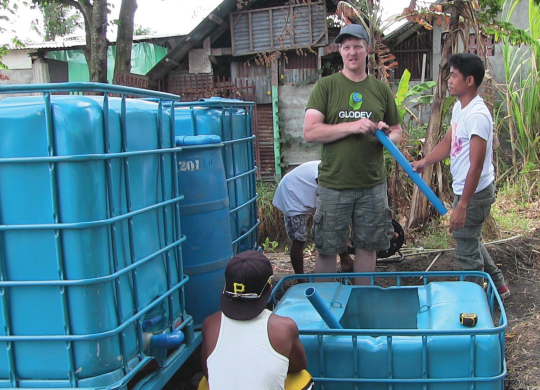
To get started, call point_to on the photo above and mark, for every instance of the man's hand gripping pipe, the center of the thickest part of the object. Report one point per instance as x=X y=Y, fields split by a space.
x=407 y=167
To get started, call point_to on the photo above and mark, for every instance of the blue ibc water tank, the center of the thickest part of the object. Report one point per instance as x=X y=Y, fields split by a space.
x=89 y=238
x=205 y=222
x=409 y=337
x=232 y=121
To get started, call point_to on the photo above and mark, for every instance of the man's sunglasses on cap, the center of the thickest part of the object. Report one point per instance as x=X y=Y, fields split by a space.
x=239 y=294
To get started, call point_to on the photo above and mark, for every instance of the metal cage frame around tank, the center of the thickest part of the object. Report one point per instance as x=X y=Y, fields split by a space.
x=227 y=107
x=171 y=250
x=325 y=335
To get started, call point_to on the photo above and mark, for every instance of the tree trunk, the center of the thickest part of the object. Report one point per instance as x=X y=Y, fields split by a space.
x=98 y=42
x=419 y=204
x=86 y=10
x=95 y=26
x=124 y=40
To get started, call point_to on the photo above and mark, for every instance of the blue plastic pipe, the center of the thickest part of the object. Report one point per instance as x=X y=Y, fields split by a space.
x=407 y=167
x=168 y=340
x=321 y=308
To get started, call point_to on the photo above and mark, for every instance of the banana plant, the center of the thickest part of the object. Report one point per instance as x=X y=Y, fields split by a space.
x=404 y=92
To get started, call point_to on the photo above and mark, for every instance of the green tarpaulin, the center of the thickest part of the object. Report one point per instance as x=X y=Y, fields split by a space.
x=143 y=58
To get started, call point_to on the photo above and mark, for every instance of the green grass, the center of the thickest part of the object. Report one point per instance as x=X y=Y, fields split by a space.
x=266 y=193
x=516 y=209
x=271 y=227
x=437 y=237
x=512 y=223
x=434 y=236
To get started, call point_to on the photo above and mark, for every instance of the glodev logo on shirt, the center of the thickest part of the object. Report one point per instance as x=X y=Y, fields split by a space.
x=355 y=102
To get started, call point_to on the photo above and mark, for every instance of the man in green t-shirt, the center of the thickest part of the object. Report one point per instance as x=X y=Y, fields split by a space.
x=342 y=113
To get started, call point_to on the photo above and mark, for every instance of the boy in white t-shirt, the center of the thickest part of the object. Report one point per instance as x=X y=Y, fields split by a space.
x=469 y=143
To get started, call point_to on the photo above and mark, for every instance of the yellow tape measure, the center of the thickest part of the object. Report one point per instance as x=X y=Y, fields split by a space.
x=468 y=319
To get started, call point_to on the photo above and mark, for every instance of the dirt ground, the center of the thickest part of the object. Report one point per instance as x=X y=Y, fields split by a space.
x=519 y=260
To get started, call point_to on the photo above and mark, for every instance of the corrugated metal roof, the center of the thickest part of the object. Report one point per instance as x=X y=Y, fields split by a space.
x=214 y=25
x=80 y=41
x=51 y=45
x=214 y=21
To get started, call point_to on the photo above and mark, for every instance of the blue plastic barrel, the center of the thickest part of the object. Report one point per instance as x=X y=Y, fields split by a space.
x=90 y=241
x=205 y=222
x=232 y=121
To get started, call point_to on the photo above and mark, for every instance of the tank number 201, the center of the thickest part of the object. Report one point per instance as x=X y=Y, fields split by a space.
x=189 y=165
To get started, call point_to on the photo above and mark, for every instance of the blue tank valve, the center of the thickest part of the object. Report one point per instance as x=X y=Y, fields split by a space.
x=164 y=340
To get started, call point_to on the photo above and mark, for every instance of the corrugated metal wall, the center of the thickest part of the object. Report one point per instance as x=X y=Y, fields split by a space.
x=265 y=136
x=304 y=59
x=279 y=28
x=258 y=75
x=409 y=55
x=293 y=76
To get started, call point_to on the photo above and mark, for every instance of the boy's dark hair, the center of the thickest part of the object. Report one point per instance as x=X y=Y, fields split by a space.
x=469 y=65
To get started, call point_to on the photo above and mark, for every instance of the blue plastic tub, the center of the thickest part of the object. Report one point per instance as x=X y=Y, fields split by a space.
x=90 y=240
x=400 y=337
x=231 y=120
x=205 y=222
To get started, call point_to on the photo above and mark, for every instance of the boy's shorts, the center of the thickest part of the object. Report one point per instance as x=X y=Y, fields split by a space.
x=367 y=208
x=296 y=227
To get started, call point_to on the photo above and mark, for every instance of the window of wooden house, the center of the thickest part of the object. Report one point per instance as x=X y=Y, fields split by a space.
x=299 y=66
x=301 y=59
x=410 y=55
x=477 y=49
